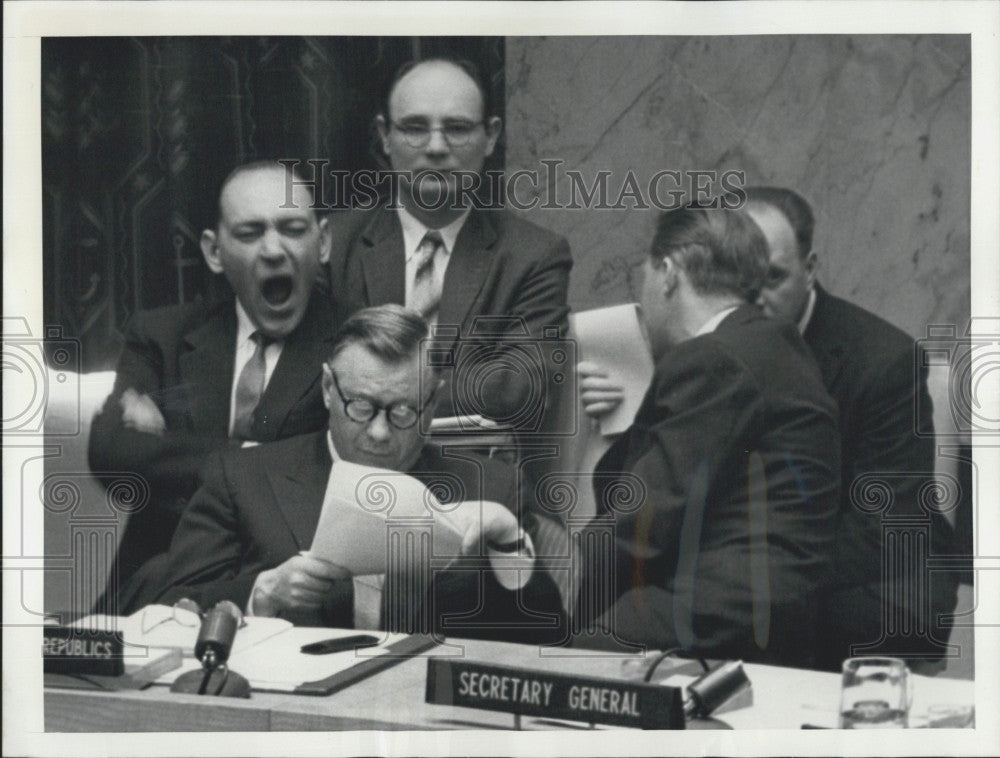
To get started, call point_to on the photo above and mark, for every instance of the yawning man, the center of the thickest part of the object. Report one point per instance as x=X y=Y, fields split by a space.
x=198 y=376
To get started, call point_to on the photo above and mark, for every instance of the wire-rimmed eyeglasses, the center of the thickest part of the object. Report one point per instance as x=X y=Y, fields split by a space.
x=154 y=616
x=418 y=133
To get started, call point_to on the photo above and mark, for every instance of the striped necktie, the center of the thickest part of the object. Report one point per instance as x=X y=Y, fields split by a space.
x=425 y=296
x=250 y=388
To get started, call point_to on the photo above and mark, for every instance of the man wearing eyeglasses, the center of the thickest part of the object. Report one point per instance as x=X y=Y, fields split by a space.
x=245 y=533
x=433 y=251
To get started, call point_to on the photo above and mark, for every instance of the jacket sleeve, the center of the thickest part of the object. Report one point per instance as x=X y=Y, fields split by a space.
x=886 y=440
x=659 y=495
x=887 y=447
x=169 y=462
x=700 y=403
x=205 y=562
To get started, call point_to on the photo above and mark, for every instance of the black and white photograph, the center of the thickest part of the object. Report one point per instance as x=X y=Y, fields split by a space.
x=501 y=378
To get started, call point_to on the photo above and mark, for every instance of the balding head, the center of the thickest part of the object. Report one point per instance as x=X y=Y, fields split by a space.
x=787 y=222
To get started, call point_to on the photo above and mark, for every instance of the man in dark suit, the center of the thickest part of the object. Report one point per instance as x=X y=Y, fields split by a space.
x=193 y=377
x=868 y=367
x=246 y=532
x=723 y=492
x=431 y=250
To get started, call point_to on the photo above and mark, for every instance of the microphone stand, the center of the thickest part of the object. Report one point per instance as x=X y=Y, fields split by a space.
x=218 y=682
x=218 y=629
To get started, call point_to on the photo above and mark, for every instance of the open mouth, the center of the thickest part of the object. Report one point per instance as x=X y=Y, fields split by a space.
x=277 y=289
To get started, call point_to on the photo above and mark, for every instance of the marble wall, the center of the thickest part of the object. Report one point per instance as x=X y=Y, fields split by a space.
x=874 y=130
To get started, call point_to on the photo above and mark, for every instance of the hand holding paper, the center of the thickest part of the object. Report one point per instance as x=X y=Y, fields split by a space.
x=362 y=504
x=599 y=393
x=484 y=523
x=297 y=585
x=353 y=532
x=618 y=364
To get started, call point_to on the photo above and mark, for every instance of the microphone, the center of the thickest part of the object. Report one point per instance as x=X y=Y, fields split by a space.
x=218 y=630
x=215 y=642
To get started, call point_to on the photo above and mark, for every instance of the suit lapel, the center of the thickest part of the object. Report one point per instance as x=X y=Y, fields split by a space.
x=467 y=267
x=299 y=486
x=206 y=369
x=383 y=262
x=298 y=368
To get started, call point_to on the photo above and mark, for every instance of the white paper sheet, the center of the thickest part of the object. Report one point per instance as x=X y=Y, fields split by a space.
x=280 y=662
x=164 y=626
x=353 y=529
x=614 y=339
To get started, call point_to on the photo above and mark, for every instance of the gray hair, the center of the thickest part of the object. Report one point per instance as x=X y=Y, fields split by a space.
x=390 y=332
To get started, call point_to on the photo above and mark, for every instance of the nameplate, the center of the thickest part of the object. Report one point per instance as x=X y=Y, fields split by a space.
x=541 y=693
x=79 y=651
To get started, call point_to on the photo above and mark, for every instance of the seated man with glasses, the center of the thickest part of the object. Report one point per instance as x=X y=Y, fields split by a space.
x=246 y=533
x=452 y=258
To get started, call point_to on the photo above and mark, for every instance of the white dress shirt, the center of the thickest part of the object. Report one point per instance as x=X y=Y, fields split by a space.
x=712 y=324
x=245 y=348
x=807 y=314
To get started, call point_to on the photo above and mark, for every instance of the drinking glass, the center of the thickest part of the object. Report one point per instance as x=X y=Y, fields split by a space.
x=875 y=693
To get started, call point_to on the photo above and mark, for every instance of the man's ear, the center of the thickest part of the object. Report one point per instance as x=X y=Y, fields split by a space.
x=811 y=265
x=383 y=132
x=670 y=274
x=210 y=251
x=325 y=236
x=327 y=383
x=493 y=127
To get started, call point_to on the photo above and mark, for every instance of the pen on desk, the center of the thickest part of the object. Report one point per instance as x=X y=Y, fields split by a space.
x=340 y=644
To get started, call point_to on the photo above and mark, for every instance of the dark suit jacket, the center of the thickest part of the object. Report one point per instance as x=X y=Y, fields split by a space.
x=260 y=506
x=502 y=266
x=182 y=356
x=868 y=367
x=735 y=459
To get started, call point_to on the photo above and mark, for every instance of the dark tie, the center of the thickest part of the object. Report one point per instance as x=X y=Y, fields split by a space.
x=249 y=388
x=426 y=295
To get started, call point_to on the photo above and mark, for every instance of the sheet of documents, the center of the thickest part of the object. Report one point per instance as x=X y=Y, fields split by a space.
x=353 y=531
x=615 y=340
x=279 y=665
x=164 y=626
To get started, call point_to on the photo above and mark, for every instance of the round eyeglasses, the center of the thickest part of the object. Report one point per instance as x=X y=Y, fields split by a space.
x=400 y=415
x=418 y=133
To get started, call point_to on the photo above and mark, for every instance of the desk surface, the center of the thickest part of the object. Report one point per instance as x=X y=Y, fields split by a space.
x=783 y=698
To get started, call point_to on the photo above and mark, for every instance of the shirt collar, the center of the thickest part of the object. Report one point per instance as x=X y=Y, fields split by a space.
x=244 y=326
x=807 y=314
x=414 y=231
x=710 y=325
x=330 y=447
